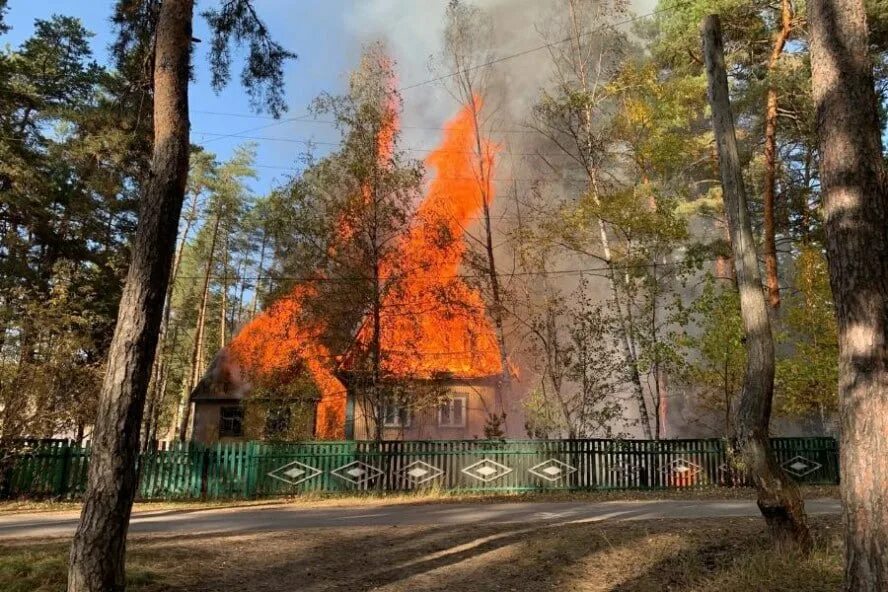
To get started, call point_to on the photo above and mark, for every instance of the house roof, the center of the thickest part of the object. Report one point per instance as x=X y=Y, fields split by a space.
x=221 y=382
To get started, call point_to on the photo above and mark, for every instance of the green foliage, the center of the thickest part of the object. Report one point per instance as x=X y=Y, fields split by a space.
x=660 y=117
x=542 y=419
x=494 y=425
x=263 y=73
x=573 y=339
x=716 y=354
x=69 y=163
x=807 y=376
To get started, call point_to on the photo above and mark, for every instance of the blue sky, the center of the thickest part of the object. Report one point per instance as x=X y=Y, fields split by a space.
x=328 y=35
x=313 y=30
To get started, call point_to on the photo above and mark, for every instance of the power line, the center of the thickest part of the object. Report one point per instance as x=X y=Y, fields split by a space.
x=258 y=128
x=309 y=142
x=331 y=122
x=433 y=177
x=487 y=64
x=523 y=52
x=347 y=279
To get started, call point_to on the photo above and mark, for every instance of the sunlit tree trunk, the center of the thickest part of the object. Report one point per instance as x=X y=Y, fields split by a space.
x=497 y=308
x=855 y=206
x=99 y=548
x=237 y=311
x=769 y=243
x=261 y=270
x=778 y=496
x=223 y=313
x=197 y=349
x=157 y=384
x=464 y=40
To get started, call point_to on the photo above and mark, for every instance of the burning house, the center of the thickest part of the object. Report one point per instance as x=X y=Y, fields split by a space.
x=438 y=367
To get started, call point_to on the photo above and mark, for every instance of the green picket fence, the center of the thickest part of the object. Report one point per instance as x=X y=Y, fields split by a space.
x=261 y=469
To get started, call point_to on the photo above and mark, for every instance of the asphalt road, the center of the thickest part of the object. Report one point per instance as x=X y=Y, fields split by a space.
x=284 y=517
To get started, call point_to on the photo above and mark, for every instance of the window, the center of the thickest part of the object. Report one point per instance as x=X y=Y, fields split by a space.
x=452 y=413
x=231 y=421
x=395 y=416
x=277 y=422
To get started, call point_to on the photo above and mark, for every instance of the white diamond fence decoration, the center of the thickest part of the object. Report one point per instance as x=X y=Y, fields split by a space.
x=486 y=470
x=419 y=472
x=800 y=466
x=295 y=473
x=682 y=467
x=356 y=472
x=551 y=470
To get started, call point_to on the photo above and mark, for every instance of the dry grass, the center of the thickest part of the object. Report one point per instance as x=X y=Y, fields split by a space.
x=428 y=496
x=704 y=555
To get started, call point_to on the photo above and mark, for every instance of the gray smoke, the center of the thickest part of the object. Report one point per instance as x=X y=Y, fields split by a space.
x=413 y=31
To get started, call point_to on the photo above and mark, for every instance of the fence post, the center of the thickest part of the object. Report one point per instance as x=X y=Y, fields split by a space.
x=204 y=471
x=219 y=471
x=253 y=454
x=65 y=470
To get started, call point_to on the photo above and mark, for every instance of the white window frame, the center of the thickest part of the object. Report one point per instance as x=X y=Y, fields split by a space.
x=237 y=420
x=397 y=423
x=449 y=401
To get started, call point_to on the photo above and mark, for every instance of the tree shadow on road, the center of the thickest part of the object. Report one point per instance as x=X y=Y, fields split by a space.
x=703 y=555
x=699 y=555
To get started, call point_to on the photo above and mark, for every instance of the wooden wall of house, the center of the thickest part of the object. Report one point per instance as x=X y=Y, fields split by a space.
x=424 y=421
x=299 y=425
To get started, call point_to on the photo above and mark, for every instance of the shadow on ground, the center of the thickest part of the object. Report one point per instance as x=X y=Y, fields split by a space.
x=701 y=555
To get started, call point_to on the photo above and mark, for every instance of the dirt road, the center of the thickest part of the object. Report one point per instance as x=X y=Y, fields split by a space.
x=276 y=518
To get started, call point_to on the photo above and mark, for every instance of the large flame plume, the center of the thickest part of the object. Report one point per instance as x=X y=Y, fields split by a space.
x=433 y=323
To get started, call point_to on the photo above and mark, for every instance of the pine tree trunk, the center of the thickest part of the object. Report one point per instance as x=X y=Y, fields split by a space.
x=769 y=244
x=157 y=384
x=223 y=316
x=855 y=206
x=197 y=349
x=99 y=547
x=778 y=496
x=237 y=311
x=257 y=290
x=376 y=352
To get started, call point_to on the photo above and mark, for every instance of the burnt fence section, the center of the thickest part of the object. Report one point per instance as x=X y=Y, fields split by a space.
x=241 y=470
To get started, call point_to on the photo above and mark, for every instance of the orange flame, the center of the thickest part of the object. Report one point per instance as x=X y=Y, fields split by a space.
x=276 y=341
x=432 y=321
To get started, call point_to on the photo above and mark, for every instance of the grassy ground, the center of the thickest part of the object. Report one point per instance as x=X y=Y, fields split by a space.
x=705 y=555
x=424 y=497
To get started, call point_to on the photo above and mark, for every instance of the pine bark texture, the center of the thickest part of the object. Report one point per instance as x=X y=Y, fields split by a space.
x=99 y=547
x=197 y=350
x=769 y=242
x=159 y=370
x=778 y=496
x=855 y=206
